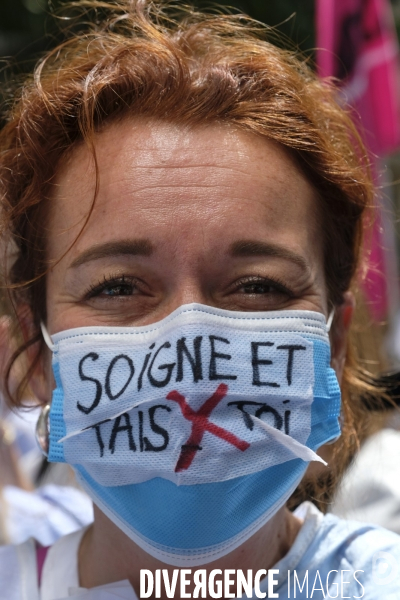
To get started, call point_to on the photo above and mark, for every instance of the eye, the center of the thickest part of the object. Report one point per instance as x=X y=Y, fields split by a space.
x=258 y=293
x=262 y=286
x=259 y=288
x=113 y=287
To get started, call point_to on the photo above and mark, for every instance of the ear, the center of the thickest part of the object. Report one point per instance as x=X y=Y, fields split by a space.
x=41 y=381
x=339 y=333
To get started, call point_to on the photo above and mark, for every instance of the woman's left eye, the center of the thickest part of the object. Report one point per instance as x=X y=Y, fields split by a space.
x=260 y=286
x=258 y=293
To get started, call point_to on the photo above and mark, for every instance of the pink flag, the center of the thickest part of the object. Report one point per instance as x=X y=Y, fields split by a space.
x=357 y=43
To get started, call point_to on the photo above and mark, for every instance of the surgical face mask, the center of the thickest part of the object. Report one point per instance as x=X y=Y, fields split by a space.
x=191 y=433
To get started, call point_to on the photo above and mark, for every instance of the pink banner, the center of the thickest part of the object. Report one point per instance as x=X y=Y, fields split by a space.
x=357 y=43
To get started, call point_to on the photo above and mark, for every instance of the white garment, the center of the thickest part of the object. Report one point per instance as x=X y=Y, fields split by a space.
x=18 y=572
x=370 y=489
x=323 y=543
x=60 y=569
x=45 y=514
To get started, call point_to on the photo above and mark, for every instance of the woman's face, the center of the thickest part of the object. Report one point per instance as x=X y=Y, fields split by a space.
x=211 y=215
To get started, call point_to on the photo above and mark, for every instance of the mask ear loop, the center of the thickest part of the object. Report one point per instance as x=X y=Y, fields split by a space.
x=42 y=432
x=328 y=328
x=329 y=320
x=46 y=336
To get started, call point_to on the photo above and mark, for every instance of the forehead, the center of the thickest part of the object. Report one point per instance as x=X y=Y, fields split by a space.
x=173 y=180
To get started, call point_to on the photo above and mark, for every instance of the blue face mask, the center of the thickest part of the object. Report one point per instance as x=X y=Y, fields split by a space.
x=191 y=433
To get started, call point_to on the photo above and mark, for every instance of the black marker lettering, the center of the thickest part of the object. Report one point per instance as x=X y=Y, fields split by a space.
x=148 y=446
x=287 y=417
x=278 y=421
x=191 y=447
x=256 y=362
x=169 y=368
x=248 y=421
x=213 y=375
x=146 y=362
x=141 y=430
x=117 y=428
x=195 y=363
x=107 y=386
x=88 y=409
x=96 y=426
x=99 y=439
x=291 y=348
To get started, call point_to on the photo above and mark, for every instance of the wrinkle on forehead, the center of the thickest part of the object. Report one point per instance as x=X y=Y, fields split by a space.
x=160 y=145
x=157 y=162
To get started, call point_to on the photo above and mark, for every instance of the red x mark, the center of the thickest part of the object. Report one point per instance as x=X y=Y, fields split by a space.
x=200 y=424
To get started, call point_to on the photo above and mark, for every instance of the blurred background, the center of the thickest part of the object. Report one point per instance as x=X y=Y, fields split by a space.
x=357 y=44
x=23 y=23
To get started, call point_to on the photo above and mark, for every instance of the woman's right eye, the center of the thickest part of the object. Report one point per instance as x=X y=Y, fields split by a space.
x=114 y=287
x=118 y=290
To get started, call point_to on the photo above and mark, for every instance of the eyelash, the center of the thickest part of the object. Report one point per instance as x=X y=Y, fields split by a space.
x=115 y=281
x=278 y=285
x=109 y=282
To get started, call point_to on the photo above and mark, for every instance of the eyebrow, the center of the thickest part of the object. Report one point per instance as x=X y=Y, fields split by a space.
x=255 y=248
x=132 y=247
x=143 y=247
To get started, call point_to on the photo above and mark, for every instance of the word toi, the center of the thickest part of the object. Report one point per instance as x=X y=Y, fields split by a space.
x=229 y=583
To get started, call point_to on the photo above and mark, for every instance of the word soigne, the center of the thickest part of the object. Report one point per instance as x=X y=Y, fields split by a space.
x=185 y=363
